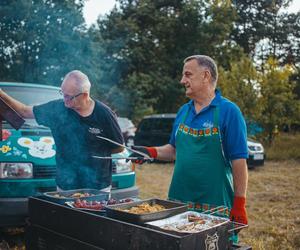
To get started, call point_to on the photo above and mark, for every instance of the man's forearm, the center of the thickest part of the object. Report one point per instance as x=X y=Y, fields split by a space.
x=240 y=177
x=166 y=153
x=22 y=109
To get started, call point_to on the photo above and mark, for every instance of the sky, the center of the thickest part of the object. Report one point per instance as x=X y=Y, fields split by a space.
x=93 y=8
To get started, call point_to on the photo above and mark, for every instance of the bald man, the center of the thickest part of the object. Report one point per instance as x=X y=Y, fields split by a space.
x=75 y=122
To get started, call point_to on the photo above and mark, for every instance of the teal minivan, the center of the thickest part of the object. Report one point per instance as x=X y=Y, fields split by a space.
x=27 y=159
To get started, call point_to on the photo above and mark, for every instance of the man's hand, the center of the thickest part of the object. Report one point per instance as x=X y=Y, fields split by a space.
x=150 y=151
x=238 y=212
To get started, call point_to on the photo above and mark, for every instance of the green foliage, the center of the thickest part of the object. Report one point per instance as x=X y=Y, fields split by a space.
x=240 y=85
x=148 y=40
x=41 y=40
x=277 y=101
x=264 y=29
x=134 y=55
x=265 y=98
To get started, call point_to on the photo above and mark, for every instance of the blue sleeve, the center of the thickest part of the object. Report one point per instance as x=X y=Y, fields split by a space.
x=234 y=133
x=173 y=134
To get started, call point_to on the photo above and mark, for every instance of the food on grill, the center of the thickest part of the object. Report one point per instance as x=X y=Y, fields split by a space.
x=144 y=208
x=113 y=201
x=98 y=205
x=80 y=195
x=191 y=227
x=189 y=222
x=196 y=219
x=75 y=195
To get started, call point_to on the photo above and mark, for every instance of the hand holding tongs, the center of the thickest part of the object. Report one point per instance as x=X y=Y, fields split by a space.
x=144 y=156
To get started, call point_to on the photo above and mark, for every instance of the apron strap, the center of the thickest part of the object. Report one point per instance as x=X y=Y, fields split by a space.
x=186 y=115
x=216 y=116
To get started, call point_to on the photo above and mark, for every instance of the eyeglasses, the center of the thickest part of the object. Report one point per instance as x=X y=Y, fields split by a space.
x=69 y=97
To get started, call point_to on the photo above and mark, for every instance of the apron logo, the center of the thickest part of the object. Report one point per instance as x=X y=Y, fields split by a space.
x=211 y=242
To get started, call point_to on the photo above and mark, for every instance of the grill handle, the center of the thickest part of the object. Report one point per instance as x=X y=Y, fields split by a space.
x=237 y=226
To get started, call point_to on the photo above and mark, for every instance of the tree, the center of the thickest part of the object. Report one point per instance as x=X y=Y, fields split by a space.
x=42 y=41
x=147 y=40
x=278 y=103
x=264 y=30
x=241 y=85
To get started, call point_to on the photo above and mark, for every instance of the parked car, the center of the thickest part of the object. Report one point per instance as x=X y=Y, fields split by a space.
x=256 y=153
x=27 y=159
x=155 y=130
x=128 y=130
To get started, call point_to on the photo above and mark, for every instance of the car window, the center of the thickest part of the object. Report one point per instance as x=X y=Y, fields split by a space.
x=32 y=96
x=162 y=125
x=156 y=125
x=145 y=125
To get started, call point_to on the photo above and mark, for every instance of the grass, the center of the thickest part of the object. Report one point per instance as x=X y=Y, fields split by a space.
x=273 y=201
x=285 y=146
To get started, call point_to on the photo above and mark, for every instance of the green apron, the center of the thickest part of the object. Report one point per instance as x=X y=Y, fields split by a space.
x=202 y=176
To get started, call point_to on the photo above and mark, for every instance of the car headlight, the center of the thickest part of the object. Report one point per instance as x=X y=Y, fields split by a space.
x=121 y=166
x=15 y=170
x=255 y=147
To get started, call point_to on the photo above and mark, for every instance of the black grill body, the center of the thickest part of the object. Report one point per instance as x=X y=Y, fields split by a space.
x=54 y=226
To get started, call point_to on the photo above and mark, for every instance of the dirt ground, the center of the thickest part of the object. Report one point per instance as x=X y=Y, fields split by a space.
x=273 y=201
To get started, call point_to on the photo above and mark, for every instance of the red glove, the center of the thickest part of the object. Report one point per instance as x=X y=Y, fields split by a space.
x=238 y=212
x=150 y=151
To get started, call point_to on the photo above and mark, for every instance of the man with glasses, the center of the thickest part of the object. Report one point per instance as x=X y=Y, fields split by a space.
x=75 y=123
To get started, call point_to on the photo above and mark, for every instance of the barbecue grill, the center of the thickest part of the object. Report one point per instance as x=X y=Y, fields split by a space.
x=56 y=226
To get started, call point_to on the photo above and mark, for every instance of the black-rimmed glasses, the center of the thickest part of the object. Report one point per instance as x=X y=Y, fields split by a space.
x=69 y=97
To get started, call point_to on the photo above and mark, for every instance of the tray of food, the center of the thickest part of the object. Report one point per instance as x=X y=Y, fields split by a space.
x=96 y=205
x=71 y=195
x=143 y=211
x=189 y=222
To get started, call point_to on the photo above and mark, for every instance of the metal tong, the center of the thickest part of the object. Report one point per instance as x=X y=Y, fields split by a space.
x=144 y=156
